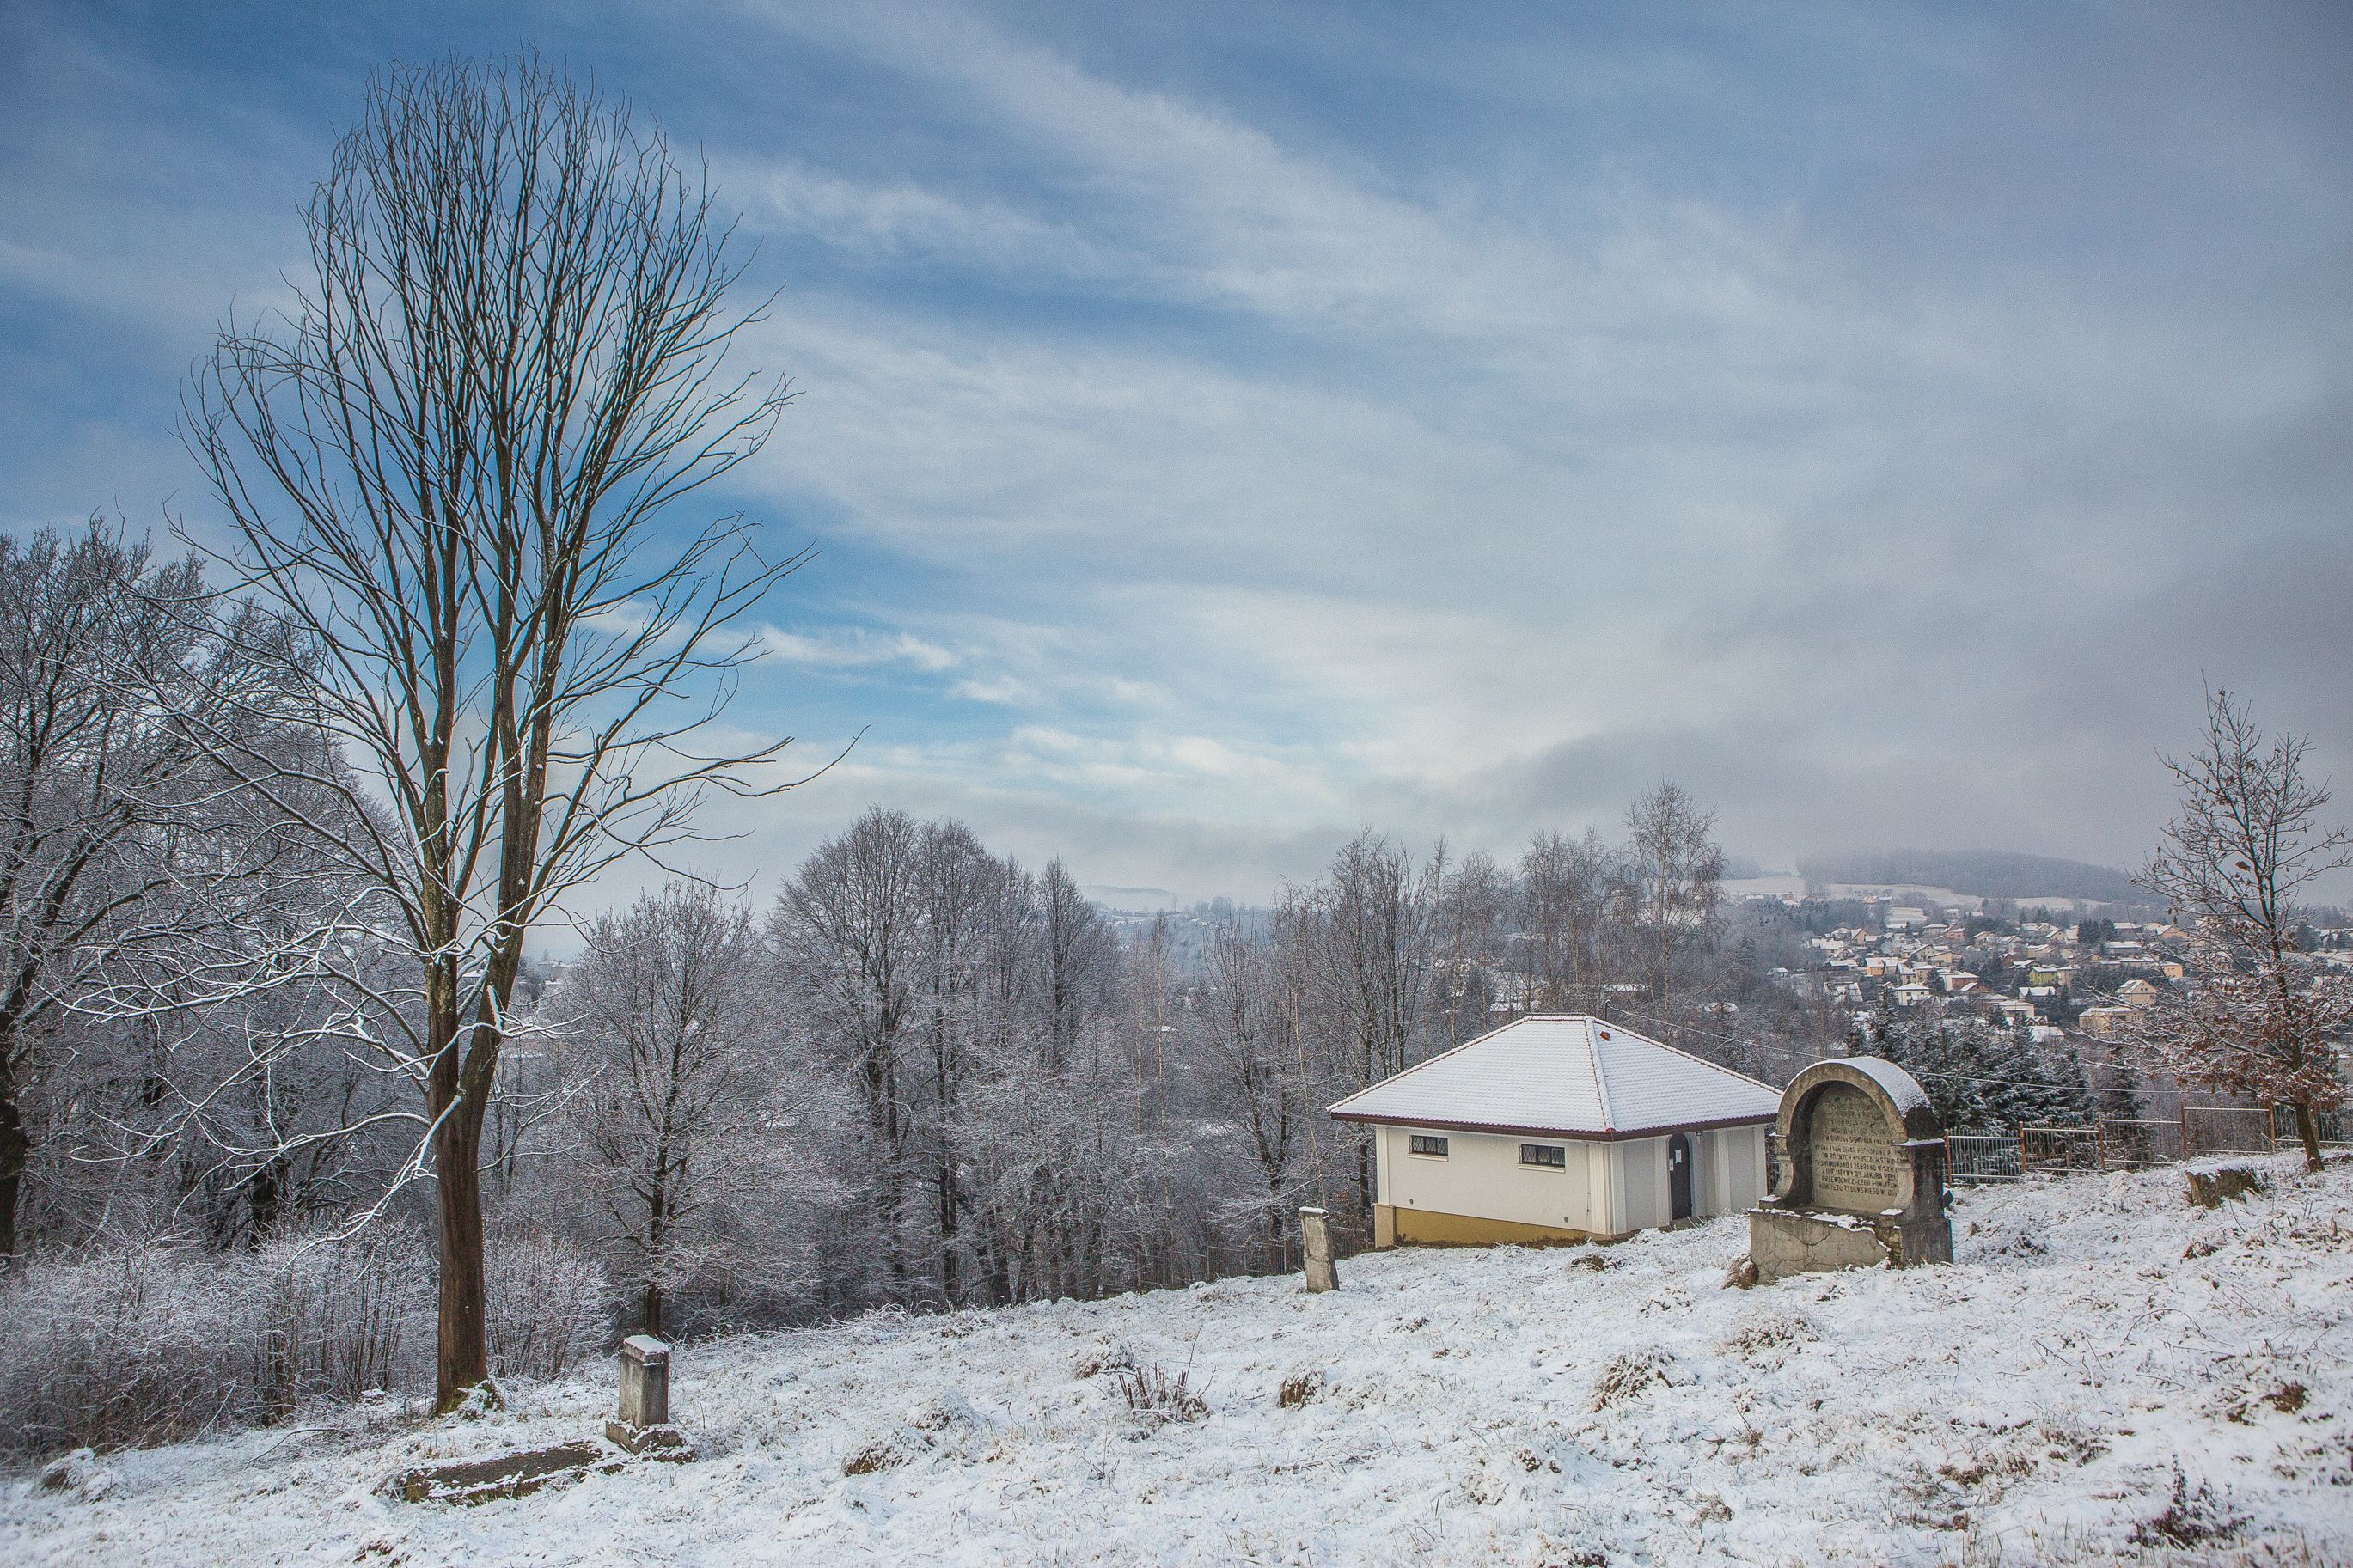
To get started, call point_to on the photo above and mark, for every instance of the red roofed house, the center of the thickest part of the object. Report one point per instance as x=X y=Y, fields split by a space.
x=1558 y=1129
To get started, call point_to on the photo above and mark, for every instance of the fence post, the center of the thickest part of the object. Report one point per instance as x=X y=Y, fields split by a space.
x=2184 y=1111
x=2100 y=1138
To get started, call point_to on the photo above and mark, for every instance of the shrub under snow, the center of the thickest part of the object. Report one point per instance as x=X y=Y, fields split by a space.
x=134 y=1344
x=550 y=1303
x=126 y=1346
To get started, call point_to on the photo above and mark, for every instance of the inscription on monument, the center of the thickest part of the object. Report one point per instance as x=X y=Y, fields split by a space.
x=1854 y=1162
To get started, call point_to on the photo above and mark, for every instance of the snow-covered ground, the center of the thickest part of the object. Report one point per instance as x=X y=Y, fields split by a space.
x=1620 y=1405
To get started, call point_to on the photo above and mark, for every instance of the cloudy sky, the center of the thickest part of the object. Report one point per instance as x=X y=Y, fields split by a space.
x=1226 y=427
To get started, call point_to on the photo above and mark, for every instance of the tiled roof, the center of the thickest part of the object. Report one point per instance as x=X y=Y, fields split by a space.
x=1577 y=1077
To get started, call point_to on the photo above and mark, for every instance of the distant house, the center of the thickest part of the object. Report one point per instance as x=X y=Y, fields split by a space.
x=2102 y=1021
x=1556 y=1129
x=1903 y=917
x=2137 y=993
x=1912 y=994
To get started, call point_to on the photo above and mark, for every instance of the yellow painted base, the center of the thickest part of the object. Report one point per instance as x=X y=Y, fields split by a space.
x=1394 y=1226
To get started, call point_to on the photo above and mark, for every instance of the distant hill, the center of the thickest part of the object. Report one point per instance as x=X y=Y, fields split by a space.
x=1982 y=873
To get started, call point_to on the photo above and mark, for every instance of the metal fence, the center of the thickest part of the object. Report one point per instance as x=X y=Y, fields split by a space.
x=2123 y=1143
x=1972 y=1159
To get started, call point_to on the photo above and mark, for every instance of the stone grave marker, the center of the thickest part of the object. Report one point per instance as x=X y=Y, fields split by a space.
x=1315 y=1233
x=644 y=1424
x=1862 y=1174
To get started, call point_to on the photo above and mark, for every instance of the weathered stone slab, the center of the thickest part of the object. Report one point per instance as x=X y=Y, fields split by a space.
x=662 y=1441
x=1781 y=1245
x=516 y=1473
x=2211 y=1188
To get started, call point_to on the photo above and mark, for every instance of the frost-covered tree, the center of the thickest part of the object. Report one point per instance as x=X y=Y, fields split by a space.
x=103 y=654
x=682 y=1095
x=1674 y=868
x=848 y=933
x=1365 y=936
x=1251 y=1038
x=1474 y=899
x=1568 y=889
x=2253 y=1017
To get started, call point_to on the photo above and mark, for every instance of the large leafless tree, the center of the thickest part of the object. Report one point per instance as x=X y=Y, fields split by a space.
x=2253 y=1019
x=453 y=465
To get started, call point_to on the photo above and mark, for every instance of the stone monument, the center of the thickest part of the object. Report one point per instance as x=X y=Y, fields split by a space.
x=644 y=1424
x=1862 y=1174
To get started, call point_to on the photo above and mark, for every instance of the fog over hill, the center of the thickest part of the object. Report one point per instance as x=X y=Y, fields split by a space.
x=1984 y=873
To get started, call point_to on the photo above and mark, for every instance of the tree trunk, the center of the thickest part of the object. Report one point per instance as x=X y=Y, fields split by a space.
x=2307 y=1132
x=650 y=1315
x=463 y=1360
x=16 y=1153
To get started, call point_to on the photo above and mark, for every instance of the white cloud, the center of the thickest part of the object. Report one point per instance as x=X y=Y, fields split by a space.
x=854 y=648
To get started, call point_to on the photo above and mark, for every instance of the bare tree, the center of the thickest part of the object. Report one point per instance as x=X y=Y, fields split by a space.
x=1474 y=901
x=1675 y=869
x=1079 y=956
x=1248 y=1036
x=1567 y=890
x=2252 y=1019
x=673 y=1015
x=848 y=930
x=96 y=651
x=1370 y=937
x=450 y=466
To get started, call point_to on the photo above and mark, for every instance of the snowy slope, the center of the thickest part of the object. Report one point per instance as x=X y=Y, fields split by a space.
x=2027 y=1405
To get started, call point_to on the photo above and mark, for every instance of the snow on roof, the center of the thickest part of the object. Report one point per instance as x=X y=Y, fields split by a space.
x=1577 y=1077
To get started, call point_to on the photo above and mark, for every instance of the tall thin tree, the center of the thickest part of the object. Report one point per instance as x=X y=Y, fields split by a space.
x=451 y=465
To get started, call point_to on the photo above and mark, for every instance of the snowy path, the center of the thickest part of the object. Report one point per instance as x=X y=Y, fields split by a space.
x=2030 y=1399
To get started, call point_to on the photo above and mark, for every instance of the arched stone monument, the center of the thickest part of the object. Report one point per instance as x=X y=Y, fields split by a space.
x=1862 y=1174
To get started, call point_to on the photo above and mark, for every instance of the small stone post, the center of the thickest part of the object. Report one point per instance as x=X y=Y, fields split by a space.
x=1315 y=1232
x=644 y=1421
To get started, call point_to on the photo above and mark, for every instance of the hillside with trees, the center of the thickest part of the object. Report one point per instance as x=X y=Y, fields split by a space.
x=1981 y=873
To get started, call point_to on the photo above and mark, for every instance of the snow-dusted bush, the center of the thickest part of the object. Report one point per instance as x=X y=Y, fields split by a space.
x=123 y=1346
x=344 y=1314
x=1155 y=1395
x=551 y=1302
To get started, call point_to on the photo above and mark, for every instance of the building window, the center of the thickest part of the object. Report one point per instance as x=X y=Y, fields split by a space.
x=1423 y=1144
x=1552 y=1156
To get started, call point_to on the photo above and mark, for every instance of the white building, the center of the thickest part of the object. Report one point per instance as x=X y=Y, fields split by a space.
x=1560 y=1129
